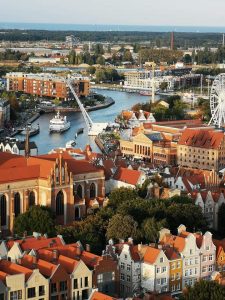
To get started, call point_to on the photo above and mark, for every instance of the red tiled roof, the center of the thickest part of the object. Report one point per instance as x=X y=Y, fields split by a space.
x=101 y=296
x=36 y=243
x=151 y=255
x=90 y=259
x=12 y=269
x=177 y=242
x=171 y=253
x=208 y=139
x=127 y=175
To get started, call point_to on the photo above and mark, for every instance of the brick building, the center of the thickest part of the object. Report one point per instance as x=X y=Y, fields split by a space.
x=46 y=85
x=57 y=180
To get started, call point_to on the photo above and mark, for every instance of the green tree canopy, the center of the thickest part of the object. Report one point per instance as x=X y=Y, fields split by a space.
x=37 y=218
x=151 y=228
x=118 y=196
x=121 y=227
x=203 y=290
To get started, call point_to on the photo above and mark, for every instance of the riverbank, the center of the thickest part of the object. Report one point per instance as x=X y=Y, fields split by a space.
x=107 y=103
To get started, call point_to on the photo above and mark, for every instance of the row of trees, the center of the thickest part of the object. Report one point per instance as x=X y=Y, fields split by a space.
x=127 y=215
x=160 y=39
x=13 y=55
x=176 y=110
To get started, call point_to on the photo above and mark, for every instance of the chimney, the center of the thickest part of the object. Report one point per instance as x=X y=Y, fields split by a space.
x=55 y=254
x=19 y=261
x=88 y=248
x=79 y=251
x=34 y=260
x=25 y=234
x=130 y=241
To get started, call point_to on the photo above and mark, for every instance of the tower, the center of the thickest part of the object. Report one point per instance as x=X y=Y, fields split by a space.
x=172 y=41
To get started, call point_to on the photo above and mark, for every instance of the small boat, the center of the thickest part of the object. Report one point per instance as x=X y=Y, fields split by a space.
x=70 y=144
x=59 y=124
x=145 y=93
x=32 y=130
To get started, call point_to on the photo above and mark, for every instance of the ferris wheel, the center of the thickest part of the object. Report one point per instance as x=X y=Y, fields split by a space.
x=217 y=101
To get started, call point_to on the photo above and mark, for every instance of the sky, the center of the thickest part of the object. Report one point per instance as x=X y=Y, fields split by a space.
x=118 y=12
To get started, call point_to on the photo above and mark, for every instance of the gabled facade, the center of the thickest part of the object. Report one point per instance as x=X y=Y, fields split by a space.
x=155 y=270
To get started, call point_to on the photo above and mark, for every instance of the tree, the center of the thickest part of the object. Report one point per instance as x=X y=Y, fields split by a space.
x=188 y=214
x=203 y=290
x=72 y=57
x=100 y=60
x=121 y=227
x=187 y=59
x=127 y=56
x=37 y=218
x=151 y=228
x=118 y=196
x=163 y=86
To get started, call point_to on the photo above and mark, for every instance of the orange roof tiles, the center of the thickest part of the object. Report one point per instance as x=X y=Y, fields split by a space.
x=127 y=175
x=36 y=243
x=90 y=259
x=151 y=255
x=175 y=241
x=201 y=138
x=12 y=268
x=101 y=296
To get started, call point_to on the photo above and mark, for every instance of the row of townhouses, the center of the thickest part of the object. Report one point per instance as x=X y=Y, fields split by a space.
x=175 y=262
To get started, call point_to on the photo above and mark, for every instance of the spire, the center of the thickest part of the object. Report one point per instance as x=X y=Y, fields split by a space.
x=27 y=143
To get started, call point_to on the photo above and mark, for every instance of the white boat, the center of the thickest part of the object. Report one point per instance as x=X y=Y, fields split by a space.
x=70 y=144
x=59 y=123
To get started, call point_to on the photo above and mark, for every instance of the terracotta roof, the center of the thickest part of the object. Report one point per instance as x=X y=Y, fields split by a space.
x=171 y=253
x=69 y=264
x=201 y=138
x=175 y=241
x=75 y=166
x=36 y=243
x=151 y=255
x=101 y=296
x=127 y=176
x=90 y=259
x=12 y=269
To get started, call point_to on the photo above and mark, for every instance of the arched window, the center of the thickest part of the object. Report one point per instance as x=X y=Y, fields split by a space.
x=80 y=191
x=60 y=204
x=3 y=210
x=92 y=191
x=77 y=213
x=17 y=204
x=31 y=199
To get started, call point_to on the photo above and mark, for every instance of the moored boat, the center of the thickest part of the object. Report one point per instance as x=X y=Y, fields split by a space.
x=59 y=124
x=31 y=129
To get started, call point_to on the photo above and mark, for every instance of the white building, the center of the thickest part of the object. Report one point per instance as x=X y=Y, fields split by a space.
x=16 y=146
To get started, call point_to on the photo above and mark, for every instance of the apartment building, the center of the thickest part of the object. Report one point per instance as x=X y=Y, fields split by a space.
x=46 y=85
x=202 y=148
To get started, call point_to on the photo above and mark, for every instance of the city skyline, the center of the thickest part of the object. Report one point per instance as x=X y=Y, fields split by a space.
x=142 y=13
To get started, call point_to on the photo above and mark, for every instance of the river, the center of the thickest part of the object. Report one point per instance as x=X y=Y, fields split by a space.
x=46 y=141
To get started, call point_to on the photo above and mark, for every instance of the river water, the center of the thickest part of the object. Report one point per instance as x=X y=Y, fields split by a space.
x=46 y=141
